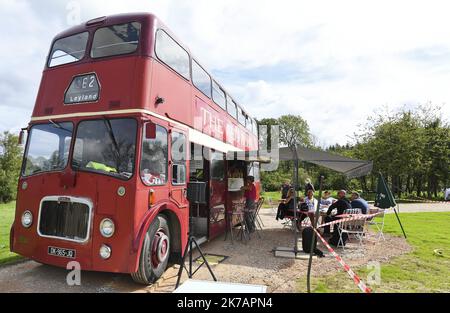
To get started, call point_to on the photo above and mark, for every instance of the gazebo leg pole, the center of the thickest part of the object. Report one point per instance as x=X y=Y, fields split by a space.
x=316 y=219
x=398 y=219
x=296 y=184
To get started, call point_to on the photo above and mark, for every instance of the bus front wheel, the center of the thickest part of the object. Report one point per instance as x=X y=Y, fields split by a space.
x=155 y=252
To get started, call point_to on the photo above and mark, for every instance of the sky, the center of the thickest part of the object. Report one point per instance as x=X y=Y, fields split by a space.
x=335 y=63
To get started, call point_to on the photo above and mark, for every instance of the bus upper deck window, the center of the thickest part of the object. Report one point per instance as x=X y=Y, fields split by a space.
x=68 y=50
x=172 y=54
x=116 y=40
x=219 y=96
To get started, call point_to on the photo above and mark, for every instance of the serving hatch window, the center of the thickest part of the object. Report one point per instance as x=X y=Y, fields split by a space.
x=116 y=40
x=68 y=50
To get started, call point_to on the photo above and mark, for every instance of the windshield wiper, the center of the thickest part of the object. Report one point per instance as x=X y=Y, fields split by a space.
x=114 y=141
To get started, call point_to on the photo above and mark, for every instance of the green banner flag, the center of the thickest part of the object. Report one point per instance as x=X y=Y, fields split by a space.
x=384 y=198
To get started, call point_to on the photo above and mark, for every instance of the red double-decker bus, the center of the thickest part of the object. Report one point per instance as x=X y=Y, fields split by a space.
x=125 y=117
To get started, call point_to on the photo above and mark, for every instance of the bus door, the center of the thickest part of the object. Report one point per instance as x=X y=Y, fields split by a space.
x=217 y=190
x=178 y=142
x=199 y=172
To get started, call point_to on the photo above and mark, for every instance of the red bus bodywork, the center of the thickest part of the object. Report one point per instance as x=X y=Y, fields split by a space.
x=130 y=85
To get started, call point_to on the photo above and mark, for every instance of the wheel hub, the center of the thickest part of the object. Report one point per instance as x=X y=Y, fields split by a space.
x=160 y=248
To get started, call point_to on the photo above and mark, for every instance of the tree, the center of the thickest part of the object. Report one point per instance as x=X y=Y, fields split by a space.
x=294 y=130
x=410 y=147
x=10 y=163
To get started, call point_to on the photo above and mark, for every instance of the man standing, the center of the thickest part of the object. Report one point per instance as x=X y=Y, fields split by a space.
x=341 y=205
x=250 y=202
x=359 y=203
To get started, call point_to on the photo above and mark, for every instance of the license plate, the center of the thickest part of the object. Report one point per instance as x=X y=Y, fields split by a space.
x=62 y=253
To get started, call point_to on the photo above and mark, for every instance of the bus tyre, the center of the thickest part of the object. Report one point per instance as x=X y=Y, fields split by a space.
x=155 y=252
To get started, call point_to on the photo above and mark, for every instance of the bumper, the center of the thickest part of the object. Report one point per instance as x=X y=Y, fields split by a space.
x=27 y=243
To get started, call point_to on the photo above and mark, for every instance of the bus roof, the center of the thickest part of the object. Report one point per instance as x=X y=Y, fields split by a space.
x=148 y=20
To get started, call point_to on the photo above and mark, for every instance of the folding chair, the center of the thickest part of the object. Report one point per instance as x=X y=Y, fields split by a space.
x=273 y=206
x=238 y=214
x=257 y=216
x=355 y=228
x=252 y=218
x=289 y=222
x=378 y=224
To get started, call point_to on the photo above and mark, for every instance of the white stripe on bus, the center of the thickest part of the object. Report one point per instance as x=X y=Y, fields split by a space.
x=194 y=135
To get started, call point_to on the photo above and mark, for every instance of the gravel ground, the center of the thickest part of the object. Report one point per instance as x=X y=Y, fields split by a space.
x=253 y=263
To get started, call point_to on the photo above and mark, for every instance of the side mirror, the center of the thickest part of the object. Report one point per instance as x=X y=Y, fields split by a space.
x=22 y=137
x=150 y=130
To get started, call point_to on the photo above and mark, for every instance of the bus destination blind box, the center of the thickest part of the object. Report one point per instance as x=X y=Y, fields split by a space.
x=83 y=88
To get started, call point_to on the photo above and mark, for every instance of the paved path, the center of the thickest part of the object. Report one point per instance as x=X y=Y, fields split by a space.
x=29 y=276
x=424 y=207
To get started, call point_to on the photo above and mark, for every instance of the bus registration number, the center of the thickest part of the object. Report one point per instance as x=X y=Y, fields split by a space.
x=62 y=253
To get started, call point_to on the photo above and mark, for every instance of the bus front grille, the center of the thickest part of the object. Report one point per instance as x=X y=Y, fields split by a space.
x=65 y=220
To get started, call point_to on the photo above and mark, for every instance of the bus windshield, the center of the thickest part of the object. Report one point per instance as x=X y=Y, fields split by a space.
x=48 y=148
x=106 y=147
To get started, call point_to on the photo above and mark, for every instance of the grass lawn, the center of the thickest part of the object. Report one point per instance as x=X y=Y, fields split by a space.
x=6 y=220
x=419 y=271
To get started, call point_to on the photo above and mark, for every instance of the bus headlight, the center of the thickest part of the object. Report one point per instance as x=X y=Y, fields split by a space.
x=105 y=252
x=107 y=228
x=27 y=219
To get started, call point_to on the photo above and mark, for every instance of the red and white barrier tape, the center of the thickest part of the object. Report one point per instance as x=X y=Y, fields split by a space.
x=361 y=285
x=354 y=217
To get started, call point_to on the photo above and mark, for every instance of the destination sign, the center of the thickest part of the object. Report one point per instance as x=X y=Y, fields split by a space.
x=83 y=88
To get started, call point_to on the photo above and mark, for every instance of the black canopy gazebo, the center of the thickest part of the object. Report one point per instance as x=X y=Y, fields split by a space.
x=351 y=168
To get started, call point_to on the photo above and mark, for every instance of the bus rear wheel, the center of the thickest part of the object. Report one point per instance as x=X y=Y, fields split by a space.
x=155 y=252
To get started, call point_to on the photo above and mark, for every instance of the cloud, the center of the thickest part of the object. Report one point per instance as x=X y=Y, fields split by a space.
x=333 y=62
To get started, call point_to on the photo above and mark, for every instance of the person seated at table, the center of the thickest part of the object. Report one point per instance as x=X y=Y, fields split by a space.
x=326 y=200
x=286 y=204
x=310 y=207
x=447 y=194
x=308 y=186
x=340 y=205
x=285 y=189
x=359 y=203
